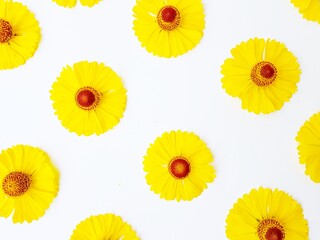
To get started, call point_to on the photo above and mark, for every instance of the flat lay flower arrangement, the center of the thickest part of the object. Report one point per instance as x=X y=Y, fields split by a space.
x=159 y=119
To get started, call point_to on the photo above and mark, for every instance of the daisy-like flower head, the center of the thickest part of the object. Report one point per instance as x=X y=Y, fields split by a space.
x=19 y=34
x=178 y=166
x=308 y=8
x=262 y=73
x=88 y=98
x=309 y=147
x=265 y=214
x=72 y=3
x=168 y=28
x=107 y=226
x=29 y=183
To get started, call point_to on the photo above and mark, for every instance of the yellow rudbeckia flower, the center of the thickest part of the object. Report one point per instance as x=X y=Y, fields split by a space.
x=29 y=183
x=19 y=34
x=308 y=8
x=262 y=73
x=168 y=28
x=72 y=3
x=178 y=166
x=88 y=98
x=265 y=214
x=309 y=147
x=107 y=226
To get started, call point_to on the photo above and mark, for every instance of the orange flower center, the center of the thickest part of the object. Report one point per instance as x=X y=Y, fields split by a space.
x=168 y=18
x=271 y=229
x=263 y=73
x=179 y=167
x=16 y=184
x=6 y=31
x=87 y=98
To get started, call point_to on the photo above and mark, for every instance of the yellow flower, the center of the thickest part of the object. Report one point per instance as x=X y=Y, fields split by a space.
x=262 y=73
x=107 y=226
x=264 y=214
x=19 y=34
x=309 y=147
x=72 y=3
x=168 y=28
x=308 y=8
x=29 y=183
x=88 y=98
x=178 y=166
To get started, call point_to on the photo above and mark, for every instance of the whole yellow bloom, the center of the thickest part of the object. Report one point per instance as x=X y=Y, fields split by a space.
x=89 y=98
x=178 y=166
x=309 y=147
x=262 y=73
x=169 y=28
x=107 y=226
x=265 y=214
x=29 y=183
x=19 y=34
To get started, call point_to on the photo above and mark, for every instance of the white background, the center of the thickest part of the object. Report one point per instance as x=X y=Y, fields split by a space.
x=105 y=174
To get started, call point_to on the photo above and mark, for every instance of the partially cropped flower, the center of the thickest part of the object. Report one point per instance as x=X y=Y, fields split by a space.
x=72 y=3
x=169 y=28
x=29 y=183
x=309 y=147
x=107 y=226
x=265 y=214
x=308 y=8
x=19 y=34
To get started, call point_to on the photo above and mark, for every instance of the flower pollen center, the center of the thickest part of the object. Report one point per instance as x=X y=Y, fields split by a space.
x=87 y=98
x=263 y=73
x=267 y=71
x=16 y=184
x=168 y=14
x=179 y=167
x=168 y=18
x=270 y=229
x=6 y=31
x=274 y=234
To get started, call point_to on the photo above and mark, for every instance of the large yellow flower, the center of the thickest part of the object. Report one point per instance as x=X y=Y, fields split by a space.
x=309 y=146
x=19 y=34
x=178 y=166
x=88 y=98
x=107 y=226
x=72 y=3
x=308 y=8
x=29 y=183
x=262 y=73
x=168 y=28
x=264 y=214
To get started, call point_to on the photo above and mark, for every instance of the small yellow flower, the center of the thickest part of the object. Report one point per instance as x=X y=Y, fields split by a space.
x=107 y=226
x=88 y=98
x=72 y=3
x=265 y=214
x=262 y=73
x=308 y=8
x=178 y=166
x=19 y=34
x=169 y=28
x=309 y=147
x=29 y=183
